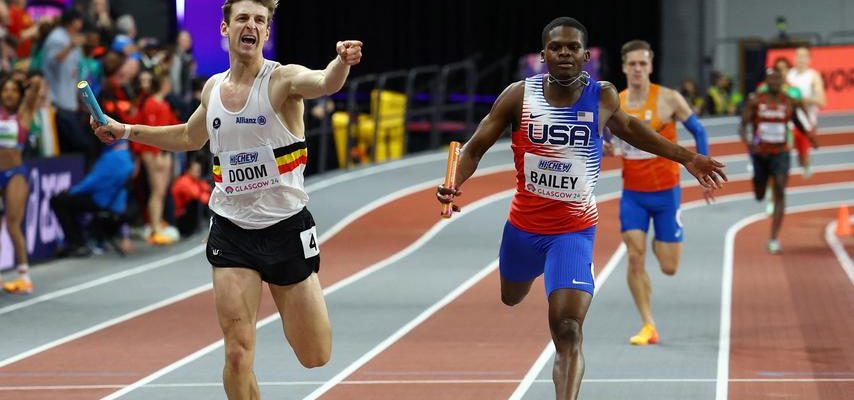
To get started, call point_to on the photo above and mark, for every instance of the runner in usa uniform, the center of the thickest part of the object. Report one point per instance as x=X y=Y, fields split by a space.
x=651 y=183
x=261 y=230
x=557 y=120
x=769 y=114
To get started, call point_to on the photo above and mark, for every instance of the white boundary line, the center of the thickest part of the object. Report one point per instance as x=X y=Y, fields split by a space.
x=722 y=139
x=348 y=219
x=421 y=382
x=403 y=193
x=434 y=231
x=193 y=251
x=343 y=283
x=105 y=324
x=546 y=356
x=199 y=289
x=382 y=346
x=548 y=352
x=106 y=279
x=722 y=380
x=838 y=249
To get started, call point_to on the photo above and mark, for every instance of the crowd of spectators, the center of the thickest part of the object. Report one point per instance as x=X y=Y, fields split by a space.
x=154 y=195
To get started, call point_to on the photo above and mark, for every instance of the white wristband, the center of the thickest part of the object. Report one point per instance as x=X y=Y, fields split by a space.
x=126 y=134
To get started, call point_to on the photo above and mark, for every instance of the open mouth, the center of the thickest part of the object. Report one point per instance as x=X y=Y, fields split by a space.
x=248 y=39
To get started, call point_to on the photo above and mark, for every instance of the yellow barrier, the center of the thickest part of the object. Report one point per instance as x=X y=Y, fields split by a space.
x=388 y=110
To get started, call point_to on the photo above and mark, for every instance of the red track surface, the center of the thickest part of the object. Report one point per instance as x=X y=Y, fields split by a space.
x=791 y=314
x=508 y=339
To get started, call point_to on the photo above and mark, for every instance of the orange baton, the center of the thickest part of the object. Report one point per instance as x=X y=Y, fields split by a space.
x=451 y=175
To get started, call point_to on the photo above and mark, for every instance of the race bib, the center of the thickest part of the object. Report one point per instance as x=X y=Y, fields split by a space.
x=771 y=132
x=563 y=179
x=310 y=248
x=633 y=153
x=248 y=171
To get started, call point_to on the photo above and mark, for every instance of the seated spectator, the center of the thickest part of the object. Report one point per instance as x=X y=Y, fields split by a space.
x=103 y=189
x=688 y=90
x=190 y=193
x=721 y=98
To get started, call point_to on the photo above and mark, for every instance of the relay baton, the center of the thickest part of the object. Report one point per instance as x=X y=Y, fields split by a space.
x=91 y=103
x=451 y=175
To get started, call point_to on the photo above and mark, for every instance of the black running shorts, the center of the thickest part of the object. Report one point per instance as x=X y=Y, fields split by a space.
x=284 y=253
x=768 y=165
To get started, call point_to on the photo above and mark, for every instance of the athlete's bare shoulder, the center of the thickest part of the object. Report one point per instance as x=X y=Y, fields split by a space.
x=281 y=81
x=289 y=69
x=207 y=89
x=670 y=95
x=606 y=84
x=609 y=101
x=514 y=91
x=608 y=89
x=508 y=105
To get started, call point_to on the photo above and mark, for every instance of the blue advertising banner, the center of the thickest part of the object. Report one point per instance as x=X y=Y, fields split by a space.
x=47 y=177
x=210 y=49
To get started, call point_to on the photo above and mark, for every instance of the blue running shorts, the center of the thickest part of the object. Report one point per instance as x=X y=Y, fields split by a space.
x=636 y=208
x=566 y=260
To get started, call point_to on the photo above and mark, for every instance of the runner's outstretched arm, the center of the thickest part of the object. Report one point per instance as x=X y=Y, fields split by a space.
x=502 y=114
x=297 y=80
x=191 y=135
x=708 y=172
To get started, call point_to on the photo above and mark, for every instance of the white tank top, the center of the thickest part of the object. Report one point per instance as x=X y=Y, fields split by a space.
x=258 y=163
x=803 y=81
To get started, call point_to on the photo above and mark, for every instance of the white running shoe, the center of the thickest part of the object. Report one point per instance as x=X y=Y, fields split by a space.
x=774 y=246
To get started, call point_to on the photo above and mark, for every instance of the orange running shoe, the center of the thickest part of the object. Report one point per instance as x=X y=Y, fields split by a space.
x=19 y=286
x=160 y=239
x=647 y=335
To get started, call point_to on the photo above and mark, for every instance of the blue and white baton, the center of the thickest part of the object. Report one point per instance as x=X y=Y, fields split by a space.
x=91 y=103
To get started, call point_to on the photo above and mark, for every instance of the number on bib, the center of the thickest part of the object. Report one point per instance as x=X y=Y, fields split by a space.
x=309 y=242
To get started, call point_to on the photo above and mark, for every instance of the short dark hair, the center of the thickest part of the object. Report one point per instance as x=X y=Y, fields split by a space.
x=70 y=15
x=565 y=21
x=782 y=59
x=270 y=4
x=633 y=45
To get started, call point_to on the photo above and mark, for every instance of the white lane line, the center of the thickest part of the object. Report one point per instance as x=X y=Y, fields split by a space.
x=362 y=273
x=503 y=145
x=548 y=352
x=344 y=222
x=402 y=193
x=103 y=280
x=719 y=139
x=722 y=385
x=179 y=257
x=432 y=232
x=198 y=249
x=186 y=294
x=839 y=250
x=103 y=325
x=421 y=382
x=365 y=358
x=531 y=376
x=546 y=356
